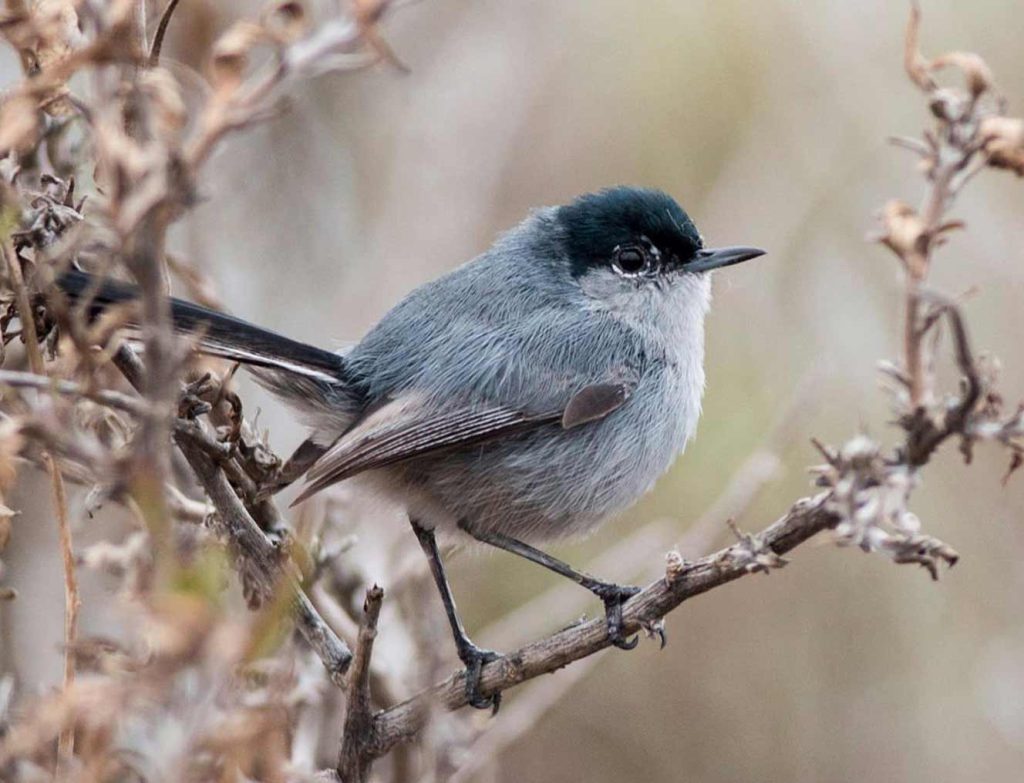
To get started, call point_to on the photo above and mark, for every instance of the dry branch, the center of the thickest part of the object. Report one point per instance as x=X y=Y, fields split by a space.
x=72 y=603
x=353 y=760
x=402 y=722
x=263 y=566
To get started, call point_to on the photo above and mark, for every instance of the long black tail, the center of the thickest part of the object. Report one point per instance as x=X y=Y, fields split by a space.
x=217 y=334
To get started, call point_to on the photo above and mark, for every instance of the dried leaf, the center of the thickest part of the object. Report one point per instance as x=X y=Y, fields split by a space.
x=19 y=123
x=285 y=21
x=58 y=35
x=1003 y=139
x=5 y=525
x=169 y=113
x=11 y=443
x=916 y=66
x=16 y=25
x=976 y=71
x=1016 y=461
x=120 y=12
x=903 y=231
x=231 y=55
x=368 y=14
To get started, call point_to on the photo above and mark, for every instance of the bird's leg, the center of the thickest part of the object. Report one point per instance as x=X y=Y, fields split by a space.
x=612 y=595
x=472 y=656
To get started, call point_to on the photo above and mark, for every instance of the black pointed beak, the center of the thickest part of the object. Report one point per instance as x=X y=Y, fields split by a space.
x=713 y=258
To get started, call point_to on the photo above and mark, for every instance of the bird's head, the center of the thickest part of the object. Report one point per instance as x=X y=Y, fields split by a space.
x=626 y=239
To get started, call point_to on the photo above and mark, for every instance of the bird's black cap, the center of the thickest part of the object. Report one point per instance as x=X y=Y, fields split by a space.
x=596 y=223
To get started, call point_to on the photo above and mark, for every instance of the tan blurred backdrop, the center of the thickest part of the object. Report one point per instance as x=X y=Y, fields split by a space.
x=768 y=122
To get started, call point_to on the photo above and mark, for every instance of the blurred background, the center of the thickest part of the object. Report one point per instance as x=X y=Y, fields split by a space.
x=768 y=123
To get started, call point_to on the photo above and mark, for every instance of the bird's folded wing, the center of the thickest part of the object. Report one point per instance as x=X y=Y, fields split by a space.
x=405 y=428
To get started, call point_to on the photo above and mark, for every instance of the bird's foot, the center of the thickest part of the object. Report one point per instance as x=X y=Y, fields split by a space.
x=474 y=659
x=614 y=596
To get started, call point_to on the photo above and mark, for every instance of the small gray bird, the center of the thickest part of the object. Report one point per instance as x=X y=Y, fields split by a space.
x=522 y=398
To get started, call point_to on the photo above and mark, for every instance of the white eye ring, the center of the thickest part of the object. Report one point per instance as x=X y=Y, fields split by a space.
x=636 y=258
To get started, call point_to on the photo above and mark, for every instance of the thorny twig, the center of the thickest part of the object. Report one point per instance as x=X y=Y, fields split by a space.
x=870 y=490
x=237 y=104
x=258 y=552
x=925 y=436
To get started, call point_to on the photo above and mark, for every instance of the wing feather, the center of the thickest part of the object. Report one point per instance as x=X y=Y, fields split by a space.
x=406 y=427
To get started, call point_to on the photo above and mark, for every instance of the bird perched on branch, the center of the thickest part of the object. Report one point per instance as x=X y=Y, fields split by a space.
x=521 y=398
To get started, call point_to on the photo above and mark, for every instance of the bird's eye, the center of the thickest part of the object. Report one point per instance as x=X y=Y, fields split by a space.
x=631 y=259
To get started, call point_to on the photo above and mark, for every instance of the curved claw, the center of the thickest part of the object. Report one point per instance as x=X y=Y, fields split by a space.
x=660 y=630
x=475 y=658
x=625 y=644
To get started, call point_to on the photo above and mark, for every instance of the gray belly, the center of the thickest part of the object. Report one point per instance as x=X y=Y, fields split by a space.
x=552 y=483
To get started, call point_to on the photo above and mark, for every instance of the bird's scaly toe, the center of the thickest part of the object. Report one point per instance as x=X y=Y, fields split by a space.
x=475 y=658
x=614 y=596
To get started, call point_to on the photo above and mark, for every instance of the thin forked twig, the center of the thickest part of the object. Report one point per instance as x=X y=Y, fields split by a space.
x=264 y=564
x=354 y=760
x=926 y=437
x=107 y=397
x=66 y=739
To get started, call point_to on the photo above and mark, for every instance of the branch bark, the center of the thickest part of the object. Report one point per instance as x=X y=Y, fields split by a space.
x=353 y=760
x=263 y=566
x=402 y=722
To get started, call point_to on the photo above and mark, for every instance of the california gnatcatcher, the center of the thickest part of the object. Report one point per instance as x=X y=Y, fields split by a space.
x=523 y=397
